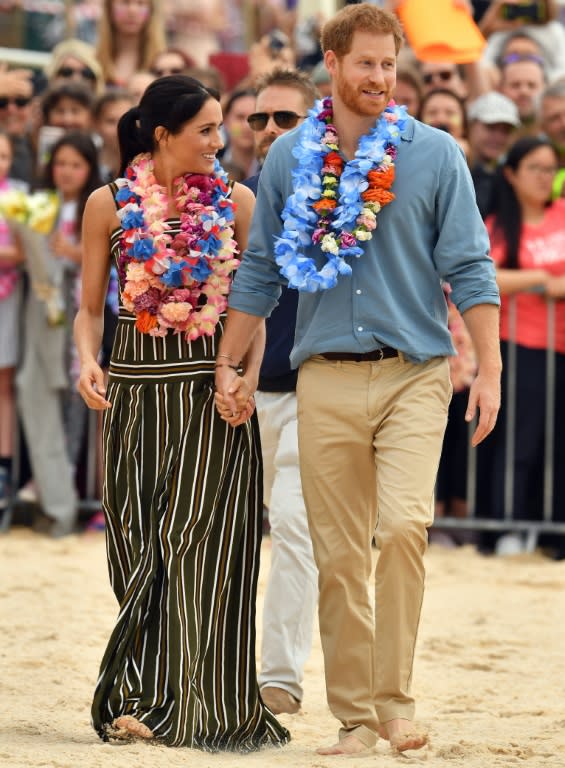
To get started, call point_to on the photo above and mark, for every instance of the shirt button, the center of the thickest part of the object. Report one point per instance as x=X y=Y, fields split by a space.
x=358 y=292
x=360 y=328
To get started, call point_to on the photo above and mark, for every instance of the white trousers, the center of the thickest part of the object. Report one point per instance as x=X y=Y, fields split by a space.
x=292 y=590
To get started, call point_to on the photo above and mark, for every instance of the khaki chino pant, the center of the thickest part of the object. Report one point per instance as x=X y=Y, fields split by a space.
x=370 y=437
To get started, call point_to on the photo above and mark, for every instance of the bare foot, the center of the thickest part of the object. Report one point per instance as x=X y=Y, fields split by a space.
x=279 y=701
x=403 y=735
x=350 y=745
x=127 y=725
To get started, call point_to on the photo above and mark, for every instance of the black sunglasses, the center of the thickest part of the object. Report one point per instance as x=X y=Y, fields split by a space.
x=85 y=72
x=283 y=118
x=19 y=101
x=444 y=75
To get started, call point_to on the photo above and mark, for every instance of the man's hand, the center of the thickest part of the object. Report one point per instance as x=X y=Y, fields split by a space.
x=234 y=395
x=15 y=82
x=484 y=395
x=235 y=418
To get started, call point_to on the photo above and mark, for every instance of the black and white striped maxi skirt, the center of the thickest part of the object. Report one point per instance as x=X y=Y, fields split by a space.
x=183 y=505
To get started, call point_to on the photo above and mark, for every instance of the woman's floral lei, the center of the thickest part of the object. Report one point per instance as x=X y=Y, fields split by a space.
x=181 y=281
x=334 y=206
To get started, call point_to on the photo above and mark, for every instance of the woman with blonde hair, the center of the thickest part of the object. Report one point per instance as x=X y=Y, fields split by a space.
x=75 y=60
x=130 y=35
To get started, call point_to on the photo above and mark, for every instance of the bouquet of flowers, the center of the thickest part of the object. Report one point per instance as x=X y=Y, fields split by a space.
x=32 y=217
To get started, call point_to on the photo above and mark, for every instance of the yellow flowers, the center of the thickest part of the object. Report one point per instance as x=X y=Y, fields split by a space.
x=37 y=211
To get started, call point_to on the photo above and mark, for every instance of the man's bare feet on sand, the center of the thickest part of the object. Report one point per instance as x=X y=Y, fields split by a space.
x=129 y=726
x=403 y=735
x=350 y=745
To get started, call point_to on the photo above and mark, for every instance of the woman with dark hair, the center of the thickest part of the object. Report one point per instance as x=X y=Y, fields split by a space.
x=527 y=234
x=240 y=141
x=53 y=417
x=182 y=489
x=443 y=109
x=171 y=61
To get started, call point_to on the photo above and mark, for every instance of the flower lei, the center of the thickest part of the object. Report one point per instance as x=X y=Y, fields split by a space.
x=179 y=282
x=334 y=206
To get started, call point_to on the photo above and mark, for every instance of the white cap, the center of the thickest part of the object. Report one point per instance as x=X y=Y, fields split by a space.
x=492 y=108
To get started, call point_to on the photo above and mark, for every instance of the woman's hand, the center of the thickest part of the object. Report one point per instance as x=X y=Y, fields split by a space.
x=60 y=245
x=234 y=396
x=91 y=386
x=493 y=19
x=234 y=418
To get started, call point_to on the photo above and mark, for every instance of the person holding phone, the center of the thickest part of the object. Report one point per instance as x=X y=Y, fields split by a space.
x=538 y=20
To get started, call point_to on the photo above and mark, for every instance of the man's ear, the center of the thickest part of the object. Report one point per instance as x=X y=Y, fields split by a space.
x=330 y=60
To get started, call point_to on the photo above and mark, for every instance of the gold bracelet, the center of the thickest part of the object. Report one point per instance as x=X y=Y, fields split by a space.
x=225 y=365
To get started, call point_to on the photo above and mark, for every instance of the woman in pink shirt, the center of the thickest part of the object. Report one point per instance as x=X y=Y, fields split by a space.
x=527 y=233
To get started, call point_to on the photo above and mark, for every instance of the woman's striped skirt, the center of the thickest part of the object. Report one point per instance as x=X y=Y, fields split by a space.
x=183 y=506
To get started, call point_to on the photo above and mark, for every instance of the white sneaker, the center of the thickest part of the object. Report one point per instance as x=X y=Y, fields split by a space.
x=510 y=544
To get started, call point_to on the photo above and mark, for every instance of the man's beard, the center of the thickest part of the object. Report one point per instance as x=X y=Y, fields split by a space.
x=354 y=101
x=263 y=148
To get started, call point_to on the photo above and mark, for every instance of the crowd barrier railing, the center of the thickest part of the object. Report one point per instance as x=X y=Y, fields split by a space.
x=503 y=520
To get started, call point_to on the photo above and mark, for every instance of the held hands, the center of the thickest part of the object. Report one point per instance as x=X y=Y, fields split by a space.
x=234 y=396
x=91 y=386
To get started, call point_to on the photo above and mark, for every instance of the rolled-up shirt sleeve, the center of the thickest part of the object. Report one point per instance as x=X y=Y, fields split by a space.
x=461 y=253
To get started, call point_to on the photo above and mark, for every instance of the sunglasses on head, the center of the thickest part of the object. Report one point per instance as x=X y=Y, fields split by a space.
x=85 y=72
x=444 y=75
x=512 y=58
x=283 y=118
x=165 y=72
x=19 y=101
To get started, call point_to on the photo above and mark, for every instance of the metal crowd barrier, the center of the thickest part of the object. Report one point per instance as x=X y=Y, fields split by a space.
x=504 y=521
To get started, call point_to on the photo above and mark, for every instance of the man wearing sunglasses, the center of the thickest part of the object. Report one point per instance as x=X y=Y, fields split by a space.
x=436 y=74
x=16 y=93
x=283 y=99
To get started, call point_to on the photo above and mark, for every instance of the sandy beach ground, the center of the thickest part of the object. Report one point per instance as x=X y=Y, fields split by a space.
x=489 y=675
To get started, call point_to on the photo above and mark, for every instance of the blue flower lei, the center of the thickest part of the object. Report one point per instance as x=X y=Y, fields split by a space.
x=299 y=217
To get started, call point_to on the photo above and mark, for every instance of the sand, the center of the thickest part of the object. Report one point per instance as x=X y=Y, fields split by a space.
x=489 y=674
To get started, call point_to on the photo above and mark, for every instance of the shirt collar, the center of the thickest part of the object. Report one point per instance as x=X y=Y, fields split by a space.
x=408 y=131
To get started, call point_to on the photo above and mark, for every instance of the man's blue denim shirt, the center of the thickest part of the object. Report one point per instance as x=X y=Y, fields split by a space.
x=432 y=231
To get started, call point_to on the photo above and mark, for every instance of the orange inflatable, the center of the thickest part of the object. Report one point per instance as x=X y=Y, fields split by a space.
x=441 y=31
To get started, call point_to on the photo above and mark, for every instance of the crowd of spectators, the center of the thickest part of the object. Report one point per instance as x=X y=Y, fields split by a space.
x=104 y=53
